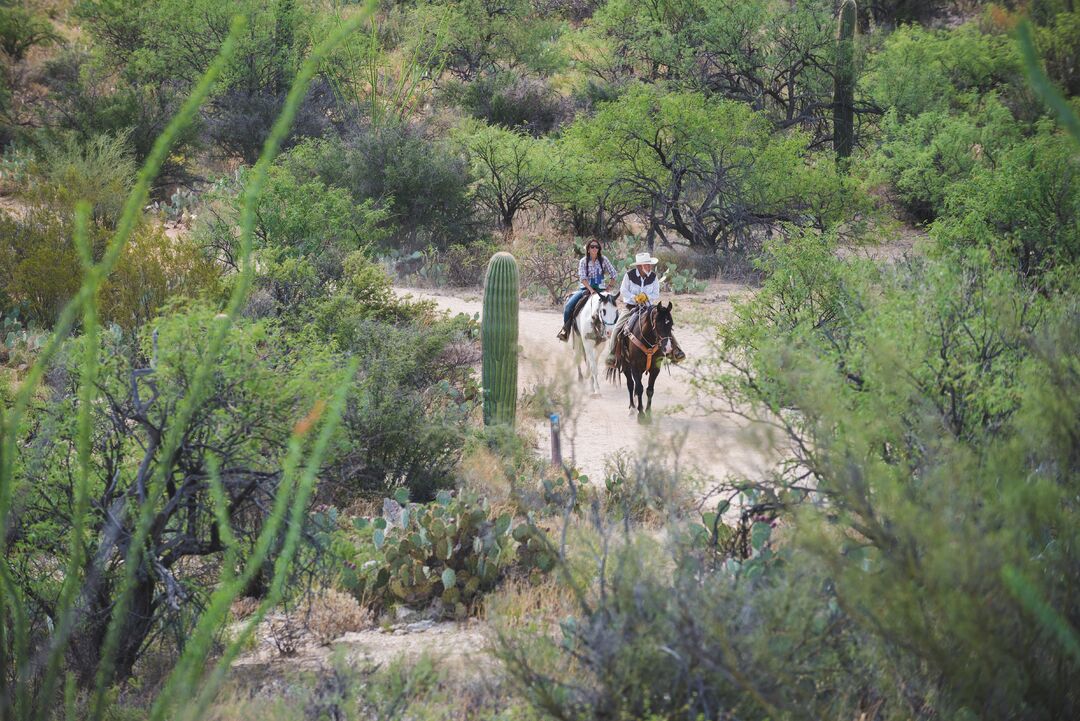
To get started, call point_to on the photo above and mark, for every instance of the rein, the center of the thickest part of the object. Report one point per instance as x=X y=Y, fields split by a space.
x=649 y=351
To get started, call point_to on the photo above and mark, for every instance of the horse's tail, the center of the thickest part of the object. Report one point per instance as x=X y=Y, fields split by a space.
x=614 y=347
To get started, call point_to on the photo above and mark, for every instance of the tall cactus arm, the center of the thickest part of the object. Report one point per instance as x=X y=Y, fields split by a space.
x=499 y=338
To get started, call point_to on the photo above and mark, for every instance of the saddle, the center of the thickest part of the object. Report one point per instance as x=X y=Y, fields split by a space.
x=631 y=322
x=628 y=337
x=580 y=304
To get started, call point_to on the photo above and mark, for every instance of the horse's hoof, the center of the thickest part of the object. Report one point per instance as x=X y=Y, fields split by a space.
x=595 y=394
x=644 y=418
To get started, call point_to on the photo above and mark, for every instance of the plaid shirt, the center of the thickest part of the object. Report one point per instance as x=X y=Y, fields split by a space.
x=593 y=272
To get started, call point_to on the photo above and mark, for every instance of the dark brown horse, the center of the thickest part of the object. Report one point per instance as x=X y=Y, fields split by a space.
x=639 y=349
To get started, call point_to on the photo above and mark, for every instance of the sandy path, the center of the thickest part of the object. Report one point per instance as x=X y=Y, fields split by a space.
x=716 y=445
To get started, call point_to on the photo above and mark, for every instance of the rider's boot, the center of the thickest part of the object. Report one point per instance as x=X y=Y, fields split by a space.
x=564 y=334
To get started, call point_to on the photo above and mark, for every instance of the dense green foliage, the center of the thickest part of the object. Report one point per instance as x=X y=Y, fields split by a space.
x=208 y=377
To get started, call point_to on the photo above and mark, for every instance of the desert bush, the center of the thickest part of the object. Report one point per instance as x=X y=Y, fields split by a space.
x=422 y=182
x=100 y=171
x=243 y=118
x=163 y=43
x=87 y=100
x=154 y=270
x=476 y=39
x=328 y=614
x=21 y=30
x=922 y=158
x=408 y=426
x=644 y=486
x=466 y=264
x=549 y=265
x=692 y=642
x=1060 y=44
x=514 y=101
x=249 y=415
x=42 y=270
x=919 y=70
x=38 y=264
x=1024 y=207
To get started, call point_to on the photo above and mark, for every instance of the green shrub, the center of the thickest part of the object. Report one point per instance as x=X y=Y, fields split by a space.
x=88 y=101
x=514 y=101
x=1026 y=208
x=300 y=216
x=100 y=171
x=920 y=71
x=407 y=424
x=1060 y=45
x=259 y=389
x=40 y=270
x=923 y=157
x=466 y=264
x=20 y=30
x=422 y=182
x=154 y=270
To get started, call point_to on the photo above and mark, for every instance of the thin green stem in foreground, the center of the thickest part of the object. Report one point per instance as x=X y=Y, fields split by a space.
x=73 y=575
x=1042 y=85
x=197 y=388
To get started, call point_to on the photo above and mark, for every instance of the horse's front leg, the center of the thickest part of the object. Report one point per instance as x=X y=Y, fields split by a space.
x=630 y=386
x=591 y=365
x=639 y=386
x=579 y=351
x=653 y=372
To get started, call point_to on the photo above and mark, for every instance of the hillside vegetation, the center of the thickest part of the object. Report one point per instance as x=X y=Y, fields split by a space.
x=223 y=427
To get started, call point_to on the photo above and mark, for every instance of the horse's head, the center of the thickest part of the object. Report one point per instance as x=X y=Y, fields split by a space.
x=664 y=324
x=608 y=311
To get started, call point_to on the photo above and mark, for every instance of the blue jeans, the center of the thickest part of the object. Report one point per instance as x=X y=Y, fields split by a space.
x=569 y=308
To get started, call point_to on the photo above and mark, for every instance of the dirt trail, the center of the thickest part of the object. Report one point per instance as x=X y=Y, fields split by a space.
x=714 y=445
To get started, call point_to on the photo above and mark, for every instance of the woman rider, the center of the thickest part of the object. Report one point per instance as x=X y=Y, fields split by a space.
x=592 y=269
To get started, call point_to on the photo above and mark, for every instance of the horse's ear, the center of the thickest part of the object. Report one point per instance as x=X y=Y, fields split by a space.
x=669 y=305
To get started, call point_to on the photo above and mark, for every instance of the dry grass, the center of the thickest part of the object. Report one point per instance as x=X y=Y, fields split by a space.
x=320 y=618
x=329 y=614
x=528 y=604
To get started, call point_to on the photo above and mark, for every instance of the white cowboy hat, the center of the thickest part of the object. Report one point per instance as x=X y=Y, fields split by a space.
x=645 y=258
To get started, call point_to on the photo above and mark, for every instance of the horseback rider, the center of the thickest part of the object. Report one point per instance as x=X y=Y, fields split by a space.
x=593 y=268
x=640 y=288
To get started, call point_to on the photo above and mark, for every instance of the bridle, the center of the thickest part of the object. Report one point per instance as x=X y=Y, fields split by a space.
x=651 y=350
x=598 y=321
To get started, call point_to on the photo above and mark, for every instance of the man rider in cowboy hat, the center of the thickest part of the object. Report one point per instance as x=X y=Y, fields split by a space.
x=640 y=288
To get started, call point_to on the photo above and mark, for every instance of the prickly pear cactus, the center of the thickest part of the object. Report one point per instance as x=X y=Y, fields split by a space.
x=499 y=337
x=453 y=548
x=844 y=84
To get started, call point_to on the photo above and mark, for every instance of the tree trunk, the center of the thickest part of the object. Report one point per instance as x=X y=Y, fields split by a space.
x=89 y=638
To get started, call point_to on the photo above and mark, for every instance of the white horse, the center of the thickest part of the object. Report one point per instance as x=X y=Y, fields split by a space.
x=592 y=327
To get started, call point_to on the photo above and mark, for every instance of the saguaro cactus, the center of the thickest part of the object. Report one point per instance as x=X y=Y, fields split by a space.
x=844 y=83
x=499 y=336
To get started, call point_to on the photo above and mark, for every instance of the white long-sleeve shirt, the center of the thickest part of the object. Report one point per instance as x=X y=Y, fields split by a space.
x=633 y=283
